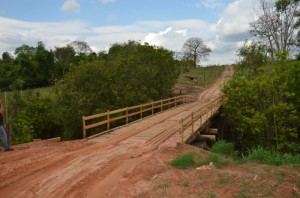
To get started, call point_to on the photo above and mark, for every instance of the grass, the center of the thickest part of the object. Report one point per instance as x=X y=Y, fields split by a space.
x=194 y=159
x=271 y=158
x=224 y=148
x=205 y=75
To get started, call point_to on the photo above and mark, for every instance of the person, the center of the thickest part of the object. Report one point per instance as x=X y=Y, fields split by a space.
x=3 y=135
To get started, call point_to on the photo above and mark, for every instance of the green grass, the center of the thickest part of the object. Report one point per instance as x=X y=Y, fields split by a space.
x=271 y=158
x=194 y=159
x=224 y=148
x=205 y=75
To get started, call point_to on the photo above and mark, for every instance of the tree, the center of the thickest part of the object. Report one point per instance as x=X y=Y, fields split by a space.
x=80 y=47
x=63 y=58
x=253 y=56
x=194 y=49
x=130 y=74
x=276 y=24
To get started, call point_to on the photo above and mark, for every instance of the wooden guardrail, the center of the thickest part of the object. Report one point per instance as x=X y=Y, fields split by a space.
x=93 y=121
x=202 y=115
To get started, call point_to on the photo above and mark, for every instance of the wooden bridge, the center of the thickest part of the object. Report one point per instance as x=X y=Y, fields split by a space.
x=106 y=164
x=162 y=122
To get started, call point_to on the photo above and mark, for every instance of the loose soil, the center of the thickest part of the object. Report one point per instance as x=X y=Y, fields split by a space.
x=120 y=165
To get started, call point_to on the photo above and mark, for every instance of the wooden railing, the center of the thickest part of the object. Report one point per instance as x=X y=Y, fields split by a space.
x=201 y=115
x=89 y=122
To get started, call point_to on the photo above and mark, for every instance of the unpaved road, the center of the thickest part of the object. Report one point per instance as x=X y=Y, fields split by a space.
x=118 y=164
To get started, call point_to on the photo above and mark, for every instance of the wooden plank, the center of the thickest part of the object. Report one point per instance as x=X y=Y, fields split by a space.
x=94 y=116
x=118 y=111
x=118 y=118
x=96 y=124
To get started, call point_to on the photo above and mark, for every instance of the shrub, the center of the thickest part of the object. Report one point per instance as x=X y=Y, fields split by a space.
x=223 y=148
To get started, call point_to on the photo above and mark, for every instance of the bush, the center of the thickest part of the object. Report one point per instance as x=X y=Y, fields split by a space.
x=223 y=148
x=271 y=158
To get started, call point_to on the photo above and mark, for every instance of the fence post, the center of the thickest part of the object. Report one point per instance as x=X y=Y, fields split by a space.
x=176 y=102
x=182 y=130
x=108 y=120
x=152 y=107
x=161 y=107
x=192 y=122
x=83 y=127
x=126 y=115
x=141 y=110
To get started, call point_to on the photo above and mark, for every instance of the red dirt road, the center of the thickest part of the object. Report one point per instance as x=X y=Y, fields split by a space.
x=120 y=164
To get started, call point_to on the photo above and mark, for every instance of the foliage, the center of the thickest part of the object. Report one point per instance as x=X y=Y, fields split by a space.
x=185 y=161
x=271 y=158
x=262 y=110
x=275 y=24
x=195 y=159
x=34 y=67
x=224 y=148
x=130 y=74
x=253 y=57
x=31 y=116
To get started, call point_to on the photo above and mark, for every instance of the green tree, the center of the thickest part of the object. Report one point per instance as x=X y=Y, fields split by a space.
x=64 y=57
x=261 y=110
x=130 y=74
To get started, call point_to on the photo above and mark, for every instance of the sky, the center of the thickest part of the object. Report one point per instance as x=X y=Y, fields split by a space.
x=222 y=24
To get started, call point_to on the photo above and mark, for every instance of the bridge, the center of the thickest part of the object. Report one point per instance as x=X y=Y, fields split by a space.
x=115 y=163
x=183 y=119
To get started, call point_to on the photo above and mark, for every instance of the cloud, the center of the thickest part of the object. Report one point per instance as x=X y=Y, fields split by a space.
x=107 y=1
x=70 y=5
x=209 y=4
x=224 y=37
x=168 y=38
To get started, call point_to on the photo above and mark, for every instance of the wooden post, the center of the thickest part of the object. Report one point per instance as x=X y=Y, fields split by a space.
x=176 y=102
x=182 y=129
x=126 y=115
x=169 y=101
x=83 y=127
x=192 y=122
x=141 y=110
x=108 y=120
x=152 y=107
x=161 y=107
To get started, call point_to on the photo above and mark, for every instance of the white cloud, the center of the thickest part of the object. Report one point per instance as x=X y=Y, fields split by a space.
x=107 y=1
x=209 y=4
x=168 y=38
x=224 y=37
x=70 y=5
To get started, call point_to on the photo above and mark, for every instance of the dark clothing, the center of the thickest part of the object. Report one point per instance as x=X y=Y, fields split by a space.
x=1 y=119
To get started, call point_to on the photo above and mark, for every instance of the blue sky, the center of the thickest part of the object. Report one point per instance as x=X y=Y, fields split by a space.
x=222 y=24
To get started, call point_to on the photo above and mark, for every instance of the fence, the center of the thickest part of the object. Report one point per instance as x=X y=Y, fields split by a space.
x=89 y=122
x=203 y=115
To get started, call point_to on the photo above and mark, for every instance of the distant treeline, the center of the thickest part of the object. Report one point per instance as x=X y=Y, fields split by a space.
x=31 y=67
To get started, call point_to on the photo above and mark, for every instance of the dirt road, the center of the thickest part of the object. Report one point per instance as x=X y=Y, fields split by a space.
x=119 y=164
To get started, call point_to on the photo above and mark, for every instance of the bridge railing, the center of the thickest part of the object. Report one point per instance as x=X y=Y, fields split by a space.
x=106 y=118
x=202 y=115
